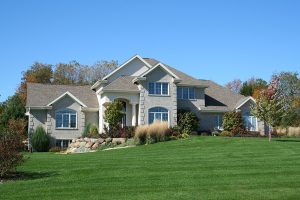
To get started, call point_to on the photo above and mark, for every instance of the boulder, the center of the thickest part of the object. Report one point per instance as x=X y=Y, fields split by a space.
x=103 y=144
x=93 y=140
x=95 y=146
x=82 y=144
x=118 y=140
x=100 y=140
x=107 y=140
x=76 y=144
x=89 y=145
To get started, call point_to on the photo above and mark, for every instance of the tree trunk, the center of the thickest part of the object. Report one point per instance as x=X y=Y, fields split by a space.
x=270 y=136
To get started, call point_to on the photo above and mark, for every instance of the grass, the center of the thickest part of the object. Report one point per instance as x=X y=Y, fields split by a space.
x=195 y=168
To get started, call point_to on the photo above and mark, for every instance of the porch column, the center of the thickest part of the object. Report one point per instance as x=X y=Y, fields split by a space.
x=133 y=105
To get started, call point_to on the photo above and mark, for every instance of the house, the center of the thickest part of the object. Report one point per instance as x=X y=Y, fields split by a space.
x=149 y=89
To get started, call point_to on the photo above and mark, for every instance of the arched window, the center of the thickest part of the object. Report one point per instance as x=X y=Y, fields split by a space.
x=66 y=119
x=158 y=113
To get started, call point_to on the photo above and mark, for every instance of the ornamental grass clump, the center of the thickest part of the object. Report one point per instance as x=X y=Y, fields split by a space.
x=155 y=132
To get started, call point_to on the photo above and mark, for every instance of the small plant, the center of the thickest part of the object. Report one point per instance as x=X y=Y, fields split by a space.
x=93 y=132
x=226 y=134
x=55 y=149
x=40 y=140
x=113 y=115
x=215 y=133
x=86 y=130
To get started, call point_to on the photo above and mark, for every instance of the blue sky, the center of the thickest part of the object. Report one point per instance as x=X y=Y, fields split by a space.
x=218 y=40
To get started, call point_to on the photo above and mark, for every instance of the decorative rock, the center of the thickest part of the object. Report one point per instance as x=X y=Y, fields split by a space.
x=100 y=140
x=95 y=146
x=82 y=144
x=93 y=140
x=77 y=144
x=118 y=140
x=103 y=144
x=89 y=144
x=108 y=139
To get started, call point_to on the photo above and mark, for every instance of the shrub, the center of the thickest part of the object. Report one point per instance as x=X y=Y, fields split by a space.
x=294 y=131
x=187 y=121
x=40 y=140
x=113 y=116
x=232 y=120
x=10 y=156
x=238 y=131
x=226 y=134
x=86 y=130
x=141 y=134
x=155 y=132
x=55 y=149
x=93 y=132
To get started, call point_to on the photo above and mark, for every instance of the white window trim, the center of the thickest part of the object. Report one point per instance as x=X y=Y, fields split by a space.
x=188 y=93
x=161 y=89
x=69 y=128
x=256 y=122
x=160 y=115
x=218 y=122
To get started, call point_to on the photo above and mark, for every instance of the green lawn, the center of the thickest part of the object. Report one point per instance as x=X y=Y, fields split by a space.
x=195 y=168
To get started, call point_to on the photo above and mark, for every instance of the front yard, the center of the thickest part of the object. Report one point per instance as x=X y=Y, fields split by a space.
x=195 y=168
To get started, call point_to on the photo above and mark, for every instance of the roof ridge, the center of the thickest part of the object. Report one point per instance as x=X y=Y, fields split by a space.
x=50 y=84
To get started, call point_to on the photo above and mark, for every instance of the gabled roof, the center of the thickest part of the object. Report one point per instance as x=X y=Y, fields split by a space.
x=43 y=94
x=244 y=100
x=123 y=83
x=124 y=64
x=186 y=80
x=66 y=94
x=166 y=69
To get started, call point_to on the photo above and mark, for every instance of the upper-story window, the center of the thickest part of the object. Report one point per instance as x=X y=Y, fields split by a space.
x=159 y=88
x=66 y=119
x=185 y=93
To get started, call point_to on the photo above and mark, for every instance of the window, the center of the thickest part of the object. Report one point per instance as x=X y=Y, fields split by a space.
x=185 y=93
x=158 y=113
x=219 y=122
x=62 y=143
x=250 y=122
x=159 y=88
x=66 y=119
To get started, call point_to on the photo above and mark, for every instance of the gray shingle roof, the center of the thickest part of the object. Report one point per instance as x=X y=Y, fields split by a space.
x=42 y=94
x=219 y=96
x=185 y=79
x=123 y=83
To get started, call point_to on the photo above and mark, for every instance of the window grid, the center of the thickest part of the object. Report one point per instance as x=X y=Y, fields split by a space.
x=159 y=88
x=66 y=119
x=185 y=93
x=158 y=113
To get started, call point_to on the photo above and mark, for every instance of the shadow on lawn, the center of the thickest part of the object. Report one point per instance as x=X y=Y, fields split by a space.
x=16 y=176
x=284 y=140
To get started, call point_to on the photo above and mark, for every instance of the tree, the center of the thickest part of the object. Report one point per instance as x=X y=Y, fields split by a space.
x=13 y=109
x=252 y=86
x=37 y=73
x=234 y=86
x=269 y=106
x=75 y=73
x=113 y=115
x=232 y=120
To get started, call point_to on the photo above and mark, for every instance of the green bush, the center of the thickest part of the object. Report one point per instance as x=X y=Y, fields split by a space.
x=187 y=122
x=226 y=134
x=93 y=132
x=40 y=140
x=232 y=120
x=86 y=130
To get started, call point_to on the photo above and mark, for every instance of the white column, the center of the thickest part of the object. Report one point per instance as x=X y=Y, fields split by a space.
x=133 y=114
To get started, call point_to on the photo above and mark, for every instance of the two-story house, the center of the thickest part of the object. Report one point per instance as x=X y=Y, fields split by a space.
x=150 y=90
